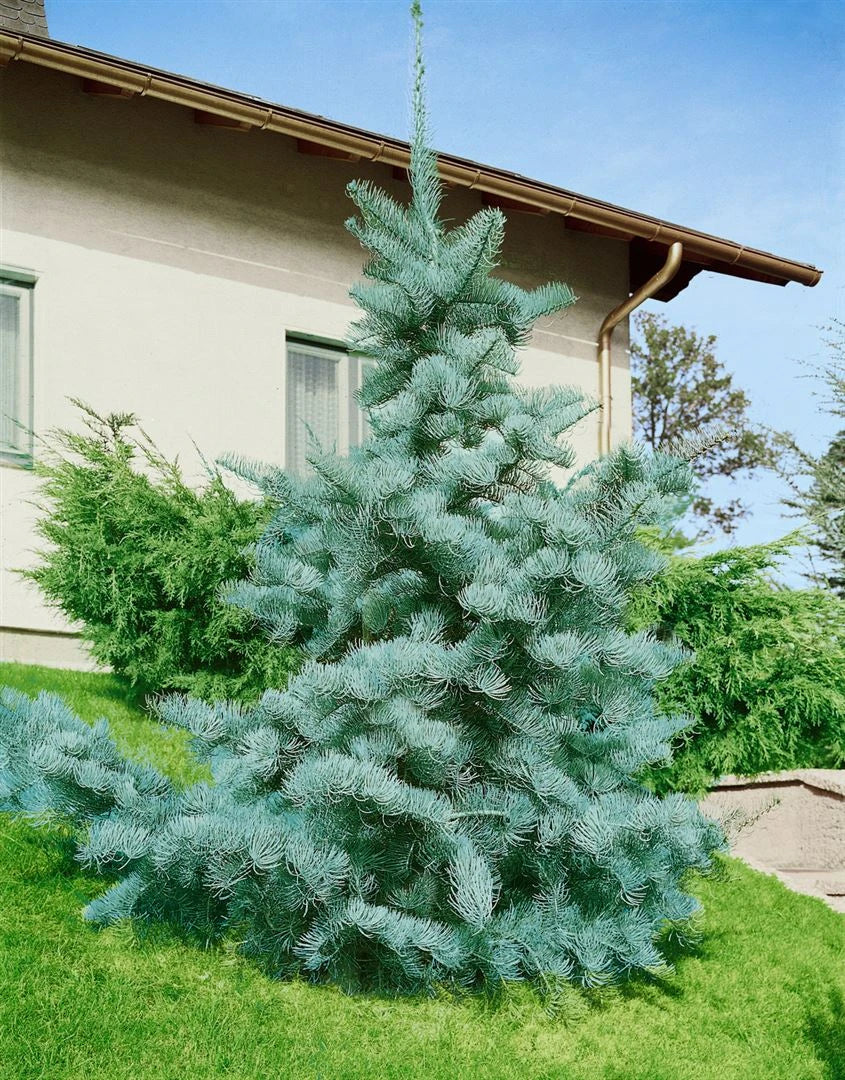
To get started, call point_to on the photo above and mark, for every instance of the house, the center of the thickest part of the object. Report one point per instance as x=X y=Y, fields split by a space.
x=177 y=250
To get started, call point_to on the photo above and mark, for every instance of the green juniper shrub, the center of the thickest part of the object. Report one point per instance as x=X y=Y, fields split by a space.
x=766 y=679
x=137 y=557
x=447 y=790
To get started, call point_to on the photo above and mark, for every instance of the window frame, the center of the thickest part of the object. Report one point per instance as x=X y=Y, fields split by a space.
x=21 y=283
x=351 y=423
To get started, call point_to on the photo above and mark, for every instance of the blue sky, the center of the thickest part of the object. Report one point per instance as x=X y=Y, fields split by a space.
x=725 y=116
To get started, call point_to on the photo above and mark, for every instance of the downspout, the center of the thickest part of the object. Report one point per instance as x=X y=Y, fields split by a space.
x=653 y=285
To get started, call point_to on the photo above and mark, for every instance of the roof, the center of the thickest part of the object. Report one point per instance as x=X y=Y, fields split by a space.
x=24 y=16
x=649 y=237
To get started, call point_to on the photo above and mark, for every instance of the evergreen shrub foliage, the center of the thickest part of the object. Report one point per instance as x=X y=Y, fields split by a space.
x=447 y=790
x=138 y=558
x=766 y=682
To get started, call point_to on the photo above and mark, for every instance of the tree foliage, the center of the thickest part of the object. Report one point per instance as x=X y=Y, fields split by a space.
x=817 y=482
x=138 y=557
x=766 y=678
x=448 y=788
x=679 y=386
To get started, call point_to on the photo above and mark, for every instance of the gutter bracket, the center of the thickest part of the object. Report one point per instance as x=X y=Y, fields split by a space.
x=9 y=51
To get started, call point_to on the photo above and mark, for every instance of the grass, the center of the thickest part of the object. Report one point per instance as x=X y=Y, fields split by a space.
x=762 y=995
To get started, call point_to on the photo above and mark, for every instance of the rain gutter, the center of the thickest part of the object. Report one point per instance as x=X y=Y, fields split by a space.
x=251 y=113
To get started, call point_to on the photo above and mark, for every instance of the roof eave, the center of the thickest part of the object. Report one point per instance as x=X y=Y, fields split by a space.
x=701 y=250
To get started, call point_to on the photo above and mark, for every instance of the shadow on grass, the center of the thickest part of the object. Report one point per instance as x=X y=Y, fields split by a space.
x=560 y=1002
x=563 y=1002
x=41 y=851
x=117 y=690
x=825 y=1029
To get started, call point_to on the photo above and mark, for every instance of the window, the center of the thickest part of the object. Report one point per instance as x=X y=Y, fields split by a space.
x=15 y=367
x=322 y=381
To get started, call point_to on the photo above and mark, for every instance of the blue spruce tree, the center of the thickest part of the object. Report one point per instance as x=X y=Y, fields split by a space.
x=447 y=791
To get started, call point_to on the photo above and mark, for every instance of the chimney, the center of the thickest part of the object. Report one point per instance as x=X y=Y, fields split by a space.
x=24 y=17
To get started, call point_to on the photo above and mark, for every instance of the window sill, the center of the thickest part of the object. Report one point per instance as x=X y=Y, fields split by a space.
x=13 y=460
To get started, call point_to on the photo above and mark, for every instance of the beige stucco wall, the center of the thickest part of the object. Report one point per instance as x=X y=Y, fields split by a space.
x=172 y=260
x=791 y=824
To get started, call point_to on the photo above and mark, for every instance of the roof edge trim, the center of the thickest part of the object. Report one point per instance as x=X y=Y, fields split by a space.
x=717 y=254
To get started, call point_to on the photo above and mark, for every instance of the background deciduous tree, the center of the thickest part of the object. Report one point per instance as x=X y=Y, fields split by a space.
x=817 y=483
x=680 y=387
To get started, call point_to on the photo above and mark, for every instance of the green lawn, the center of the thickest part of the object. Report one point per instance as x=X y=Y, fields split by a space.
x=762 y=996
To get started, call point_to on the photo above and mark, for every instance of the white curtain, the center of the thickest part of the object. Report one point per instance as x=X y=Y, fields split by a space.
x=10 y=406
x=312 y=403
